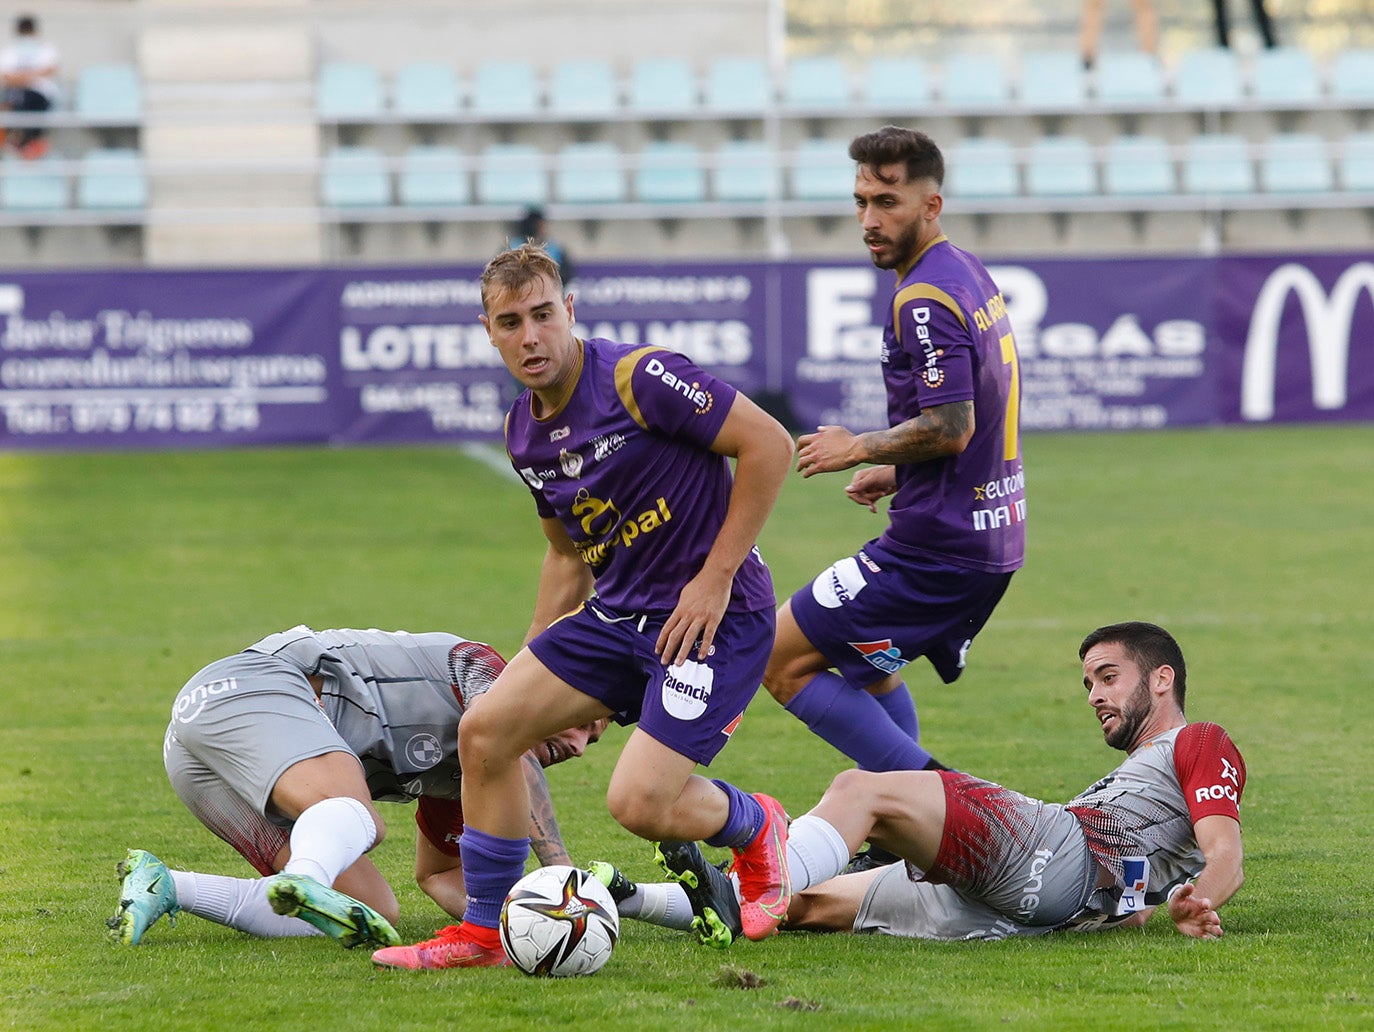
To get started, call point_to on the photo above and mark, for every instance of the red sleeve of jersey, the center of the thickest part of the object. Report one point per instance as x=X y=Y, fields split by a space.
x=440 y=821
x=1210 y=771
x=472 y=667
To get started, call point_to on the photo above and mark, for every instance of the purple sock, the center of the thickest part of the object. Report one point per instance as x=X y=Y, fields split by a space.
x=897 y=704
x=491 y=865
x=743 y=823
x=854 y=723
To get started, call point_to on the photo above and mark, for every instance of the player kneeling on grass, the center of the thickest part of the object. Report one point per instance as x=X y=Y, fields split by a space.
x=984 y=862
x=281 y=749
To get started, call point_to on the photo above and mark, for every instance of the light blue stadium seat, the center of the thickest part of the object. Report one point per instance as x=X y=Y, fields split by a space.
x=112 y=179
x=426 y=90
x=355 y=177
x=589 y=173
x=505 y=88
x=1138 y=166
x=670 y=173
x=1208 y=77
x=1218 y=164
x=1061 y=166
x=819 y=83
x=899 y=84
x=746 y=170
x=1286 y=75
x=1052 y=79
x=33 y=185
x=348 y=91
x=663 y=86
x=1357 y=163
x=738 y=85
x=584 y=87
x=512 y=173
x=1129 y=77
x=982 y=169
x=1296 y=163
x=432 y=176
x=1352 y=76
x=822 y=171
x=974 y=80
x=109 y=93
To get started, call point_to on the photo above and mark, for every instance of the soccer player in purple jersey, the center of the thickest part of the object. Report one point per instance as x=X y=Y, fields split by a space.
x=950 y=459
x=626 y=451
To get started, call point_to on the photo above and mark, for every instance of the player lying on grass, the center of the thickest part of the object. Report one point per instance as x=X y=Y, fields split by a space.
x=281 y=749
x=984 y=862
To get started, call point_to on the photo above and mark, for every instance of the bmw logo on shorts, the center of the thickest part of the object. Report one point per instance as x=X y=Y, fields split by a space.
x=423 y=751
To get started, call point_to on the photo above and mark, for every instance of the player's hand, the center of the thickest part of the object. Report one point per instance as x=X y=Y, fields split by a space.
x=829 y=449
x=870 y=484
x=700 y=608
x=1194 y=915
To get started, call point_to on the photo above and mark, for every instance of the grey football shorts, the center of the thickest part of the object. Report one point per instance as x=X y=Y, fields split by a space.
x=236 y=726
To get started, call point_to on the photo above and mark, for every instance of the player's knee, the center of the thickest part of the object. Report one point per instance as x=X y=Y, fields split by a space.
x=637 y=812
x=483 y=737
x=853 y=790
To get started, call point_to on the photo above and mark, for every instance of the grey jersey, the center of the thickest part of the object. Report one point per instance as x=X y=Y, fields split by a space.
x=395 y=698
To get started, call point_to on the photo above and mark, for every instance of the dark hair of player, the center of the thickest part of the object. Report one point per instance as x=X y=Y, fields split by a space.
x=893 y=145
x=517 y=268
x=1149 y=646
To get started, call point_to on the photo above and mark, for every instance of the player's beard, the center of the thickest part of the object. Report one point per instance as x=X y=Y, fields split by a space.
x=1133 y=716
x=901 y=251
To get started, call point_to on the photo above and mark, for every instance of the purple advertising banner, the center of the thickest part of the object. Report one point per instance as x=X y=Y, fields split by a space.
x=182 y=359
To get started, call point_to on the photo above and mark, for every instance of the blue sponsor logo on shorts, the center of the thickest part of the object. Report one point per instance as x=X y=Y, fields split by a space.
x=882 y=654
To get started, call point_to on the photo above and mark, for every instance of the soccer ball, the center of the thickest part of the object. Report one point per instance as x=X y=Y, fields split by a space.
x=559 y=921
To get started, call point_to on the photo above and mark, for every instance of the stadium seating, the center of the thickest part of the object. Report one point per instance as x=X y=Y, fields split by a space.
x=109 y=93
x=1129 y=78
x=583 y=88
x=746 y=170
x=512 y=173
x=1296 y=163
x=1209 y=77
x=670 y=173
x=426 y=90
x=663 y=86
x=1218 y=164
x=505 y=89
x=817 y=84
x=974 y=81
x=432 y=176
x=112 y=179
x=1061 y=166
x=1357 y=163
x=982 y=169
x=589 y=173
x=348 y=92
x=1352 y=76
x=33 y=186
x=355 y=177
x=898 y=84
x=1052 y=79
x=822 y=171
x=738 y=86
x=1285 y=77
x=1138 y=166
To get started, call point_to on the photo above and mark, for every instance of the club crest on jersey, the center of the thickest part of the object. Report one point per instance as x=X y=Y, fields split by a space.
x=560 y=433
x=882 y=654
x=571 y=463
x=839 y=584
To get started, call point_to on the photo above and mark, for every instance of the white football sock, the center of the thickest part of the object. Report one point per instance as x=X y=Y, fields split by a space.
x=660 y=903
x=816 y=852
x=328 y=837
x=237 y=902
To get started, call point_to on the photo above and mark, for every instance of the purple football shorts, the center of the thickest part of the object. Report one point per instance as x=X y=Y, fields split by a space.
x=693 y=707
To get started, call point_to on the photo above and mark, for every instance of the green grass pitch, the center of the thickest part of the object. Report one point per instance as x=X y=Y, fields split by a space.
x=120 y=575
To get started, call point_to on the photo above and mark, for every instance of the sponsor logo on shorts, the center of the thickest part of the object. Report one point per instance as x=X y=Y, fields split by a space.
x=424 y=751
x=839 y=584
x=1030 y=893
x=192 y=702
x=882 y=654
x=864 y=558
x=729 y=729
x=687 y=689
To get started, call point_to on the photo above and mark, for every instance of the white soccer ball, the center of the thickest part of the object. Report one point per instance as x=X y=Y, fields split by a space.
x=559 y=921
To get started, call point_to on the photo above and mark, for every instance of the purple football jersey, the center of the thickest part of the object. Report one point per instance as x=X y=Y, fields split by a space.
x=948 y=339
x=625 y=466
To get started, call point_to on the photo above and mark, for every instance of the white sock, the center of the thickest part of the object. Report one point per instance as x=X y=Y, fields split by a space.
x=237 y=902
x=660 y=903
x=816 y=852
x=328 y=837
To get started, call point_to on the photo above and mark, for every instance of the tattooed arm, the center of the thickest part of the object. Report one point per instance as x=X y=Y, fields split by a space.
x=938 y=431
x=545 y=838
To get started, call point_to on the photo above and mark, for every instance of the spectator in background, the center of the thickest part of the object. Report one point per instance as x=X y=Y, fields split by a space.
x=1146 y=27
x=28 y=67
x=1262 y=22
x=534 y=228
